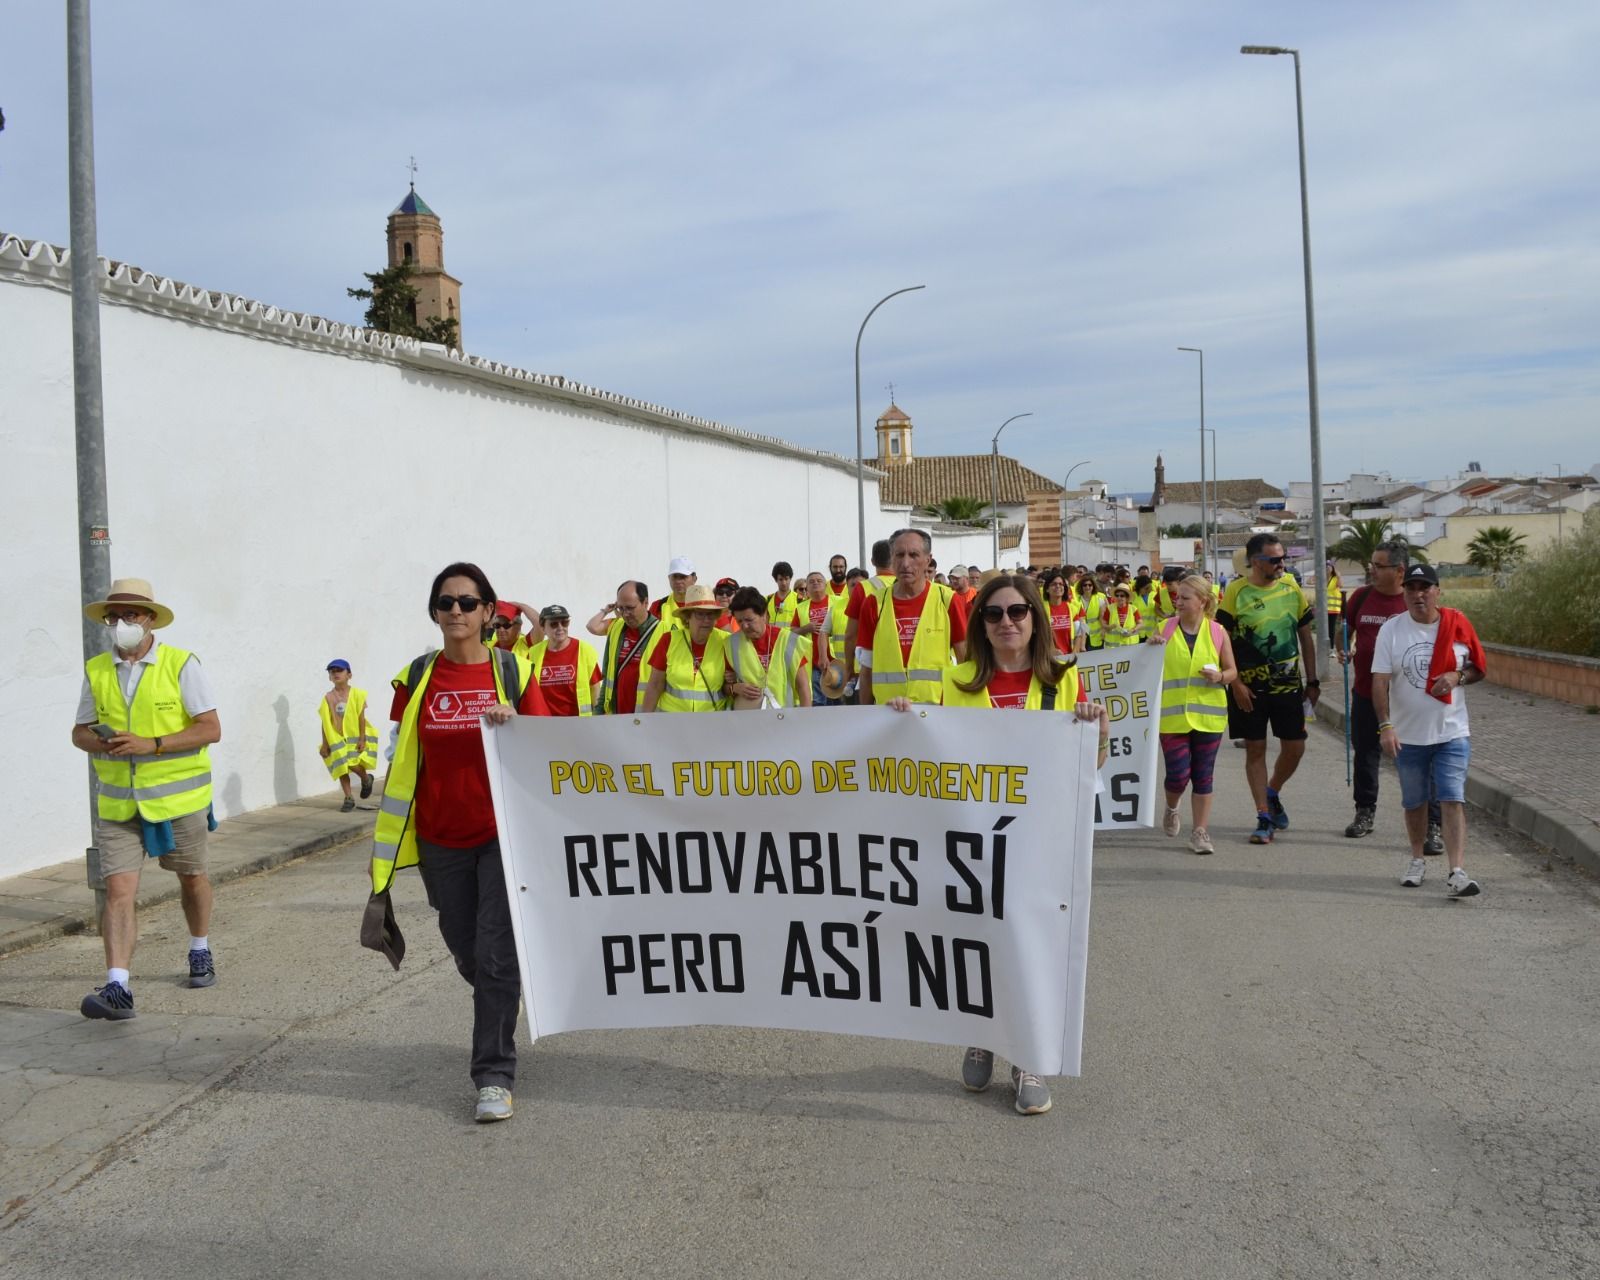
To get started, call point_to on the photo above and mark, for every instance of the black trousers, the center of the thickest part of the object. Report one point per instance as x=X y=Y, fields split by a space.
x=468 y=889
x=1369 y=755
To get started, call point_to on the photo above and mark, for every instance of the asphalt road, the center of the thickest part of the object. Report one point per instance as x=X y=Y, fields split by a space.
x=1293 y=1066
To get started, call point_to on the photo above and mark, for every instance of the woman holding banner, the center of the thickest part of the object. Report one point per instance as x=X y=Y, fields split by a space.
x=437 y=813
x=1194 y=703
x=1013 y=665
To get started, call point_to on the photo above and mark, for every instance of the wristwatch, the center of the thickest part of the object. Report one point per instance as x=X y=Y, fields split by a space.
x=158 y=746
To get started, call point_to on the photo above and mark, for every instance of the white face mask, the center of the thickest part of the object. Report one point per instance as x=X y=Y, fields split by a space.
x=129 y=635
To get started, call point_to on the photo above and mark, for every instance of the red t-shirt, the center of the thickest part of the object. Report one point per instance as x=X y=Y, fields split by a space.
x=858 y=595
x=816 y=614
x=628 y=672
x=558 y=679
x=452 y=805
x=1062 y=616
x=907 y=613
x=1008 y=690
x=1372 y=610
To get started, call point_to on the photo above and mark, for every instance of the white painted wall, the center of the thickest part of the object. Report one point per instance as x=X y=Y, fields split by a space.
x=290 y=489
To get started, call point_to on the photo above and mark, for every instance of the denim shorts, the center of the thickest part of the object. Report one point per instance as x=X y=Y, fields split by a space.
x=1444 y=764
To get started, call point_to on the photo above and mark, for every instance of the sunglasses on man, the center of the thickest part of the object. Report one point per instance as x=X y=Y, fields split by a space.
x=1271 y=559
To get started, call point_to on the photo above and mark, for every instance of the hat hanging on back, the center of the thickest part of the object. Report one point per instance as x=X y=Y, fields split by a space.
x=1423 y=573
x=680 y=564
x=129 y=593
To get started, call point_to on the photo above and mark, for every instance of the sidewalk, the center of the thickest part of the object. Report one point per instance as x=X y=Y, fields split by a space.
x=1535 y=765
x=53 y=901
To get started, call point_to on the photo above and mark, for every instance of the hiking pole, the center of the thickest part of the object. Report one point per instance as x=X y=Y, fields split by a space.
x=1348 y=656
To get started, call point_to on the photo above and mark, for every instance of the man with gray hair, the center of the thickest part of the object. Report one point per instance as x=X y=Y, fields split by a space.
x=1366 y=609
x=909 y=633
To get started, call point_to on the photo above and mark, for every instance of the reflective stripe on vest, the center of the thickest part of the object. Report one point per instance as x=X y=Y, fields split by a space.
x=782 y=665
x=1093 y=607
x=837 y=621
x=582 y=676
x=156 y=788
x=692 y=687
x=394 y=838
x=1188 y=700
x=922 y=680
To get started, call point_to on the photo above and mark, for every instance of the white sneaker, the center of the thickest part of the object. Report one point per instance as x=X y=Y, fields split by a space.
x=1200 y=841
x=1414 y=873
x=494 y=1103
x=1171 y=822
x=1460 y=885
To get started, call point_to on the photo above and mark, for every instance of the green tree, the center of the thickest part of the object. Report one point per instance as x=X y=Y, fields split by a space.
x=1362 y=537
x=959 y=511
x=1497 y=549
x=391 y=301
x=1182 y=530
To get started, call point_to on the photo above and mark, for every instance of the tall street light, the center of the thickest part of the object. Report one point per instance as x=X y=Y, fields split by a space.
x=1319 y=531
x=861 y=475
x=1204 y=540
x=994 y=480
x=1216 y=526
x=1066 y=486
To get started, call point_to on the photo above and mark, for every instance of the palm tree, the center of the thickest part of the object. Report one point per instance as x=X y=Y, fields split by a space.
x=1363 y=537
x=958 y=511
x=1498 y=549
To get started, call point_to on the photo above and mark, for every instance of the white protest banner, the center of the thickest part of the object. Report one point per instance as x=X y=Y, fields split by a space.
x=1126 y=679
x=920 y=875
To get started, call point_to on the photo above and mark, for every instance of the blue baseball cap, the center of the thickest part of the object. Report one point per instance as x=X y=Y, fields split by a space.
x=338 y=664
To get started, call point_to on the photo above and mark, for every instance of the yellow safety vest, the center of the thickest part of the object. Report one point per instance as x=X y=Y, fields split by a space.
x=923 y=679
x=1335 y=594
x=1061 y=698
x=691 y=688
x=353 y=742
x=156 y=788
x=1188 y=699
x=782 y=611
x=657 y=632
x=394 y=839
x=1092 y=608
x=669 y=611
x=1123 y=627
x=837 y=622
x=582 y=685
x=782 y=666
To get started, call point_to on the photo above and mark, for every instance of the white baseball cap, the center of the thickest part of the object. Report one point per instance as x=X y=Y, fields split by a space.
x=682 y=564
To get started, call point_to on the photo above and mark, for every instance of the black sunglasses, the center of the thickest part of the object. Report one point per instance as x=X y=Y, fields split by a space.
x=1272 y=559
x=446 y=603
x=1016 y=612
x=499 y=624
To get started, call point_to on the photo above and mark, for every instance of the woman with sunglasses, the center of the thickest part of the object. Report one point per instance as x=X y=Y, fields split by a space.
x=1194 y=704
x=437 y=813
x=1012 y=665
x=349 y=742
x=1066 y=614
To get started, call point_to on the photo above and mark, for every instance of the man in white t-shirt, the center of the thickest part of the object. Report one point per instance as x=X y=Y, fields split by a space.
x=1420 y=662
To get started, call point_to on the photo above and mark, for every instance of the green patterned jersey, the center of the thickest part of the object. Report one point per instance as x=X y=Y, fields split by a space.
x=1264 y=625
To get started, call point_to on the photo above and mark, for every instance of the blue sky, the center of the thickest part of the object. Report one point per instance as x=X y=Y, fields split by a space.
x=696 y=205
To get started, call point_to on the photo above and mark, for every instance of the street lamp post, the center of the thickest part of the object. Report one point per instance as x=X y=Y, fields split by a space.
x=1216 y=534
x=994 y=481
x=861 y=474
x=1319 y=530
x=1205 y=541
x=1560 y=471
x=1065 y=486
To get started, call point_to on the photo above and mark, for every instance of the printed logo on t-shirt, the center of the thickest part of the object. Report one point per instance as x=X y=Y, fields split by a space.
x=461 y=710
x=1009 y=701
x=1414 y=664
x=553 y=673
x=908 y=629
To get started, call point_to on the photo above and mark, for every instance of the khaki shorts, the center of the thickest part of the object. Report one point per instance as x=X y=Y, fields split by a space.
x=122 y=846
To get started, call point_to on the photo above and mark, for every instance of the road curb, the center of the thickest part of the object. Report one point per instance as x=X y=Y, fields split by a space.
x=1569 y=835
x=75 y=919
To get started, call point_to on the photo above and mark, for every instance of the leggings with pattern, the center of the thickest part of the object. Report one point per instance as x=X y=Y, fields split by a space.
x=1190 y=757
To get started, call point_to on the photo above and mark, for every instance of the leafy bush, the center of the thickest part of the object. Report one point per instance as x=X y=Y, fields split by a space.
x=1551 y=601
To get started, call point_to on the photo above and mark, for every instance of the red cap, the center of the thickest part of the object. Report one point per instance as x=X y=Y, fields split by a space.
x=727 y=582
x=505 y=609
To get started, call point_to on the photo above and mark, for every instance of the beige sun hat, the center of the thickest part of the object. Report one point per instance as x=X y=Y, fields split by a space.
x=833 y=680
x=699 y=597
x=130 y=591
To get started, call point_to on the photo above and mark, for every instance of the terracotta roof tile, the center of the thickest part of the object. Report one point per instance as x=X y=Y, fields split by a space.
x=922 y=482
x=1234 y=491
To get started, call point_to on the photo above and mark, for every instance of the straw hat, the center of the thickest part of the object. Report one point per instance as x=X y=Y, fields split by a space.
x=698 y=597
x=129 y=591
x=833 y=680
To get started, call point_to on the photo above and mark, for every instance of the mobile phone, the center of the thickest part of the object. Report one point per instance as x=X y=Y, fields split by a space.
x=103 y=731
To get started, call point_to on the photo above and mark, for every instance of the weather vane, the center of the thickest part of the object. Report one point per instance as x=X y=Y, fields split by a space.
x=413 y=167
x=891 y=393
